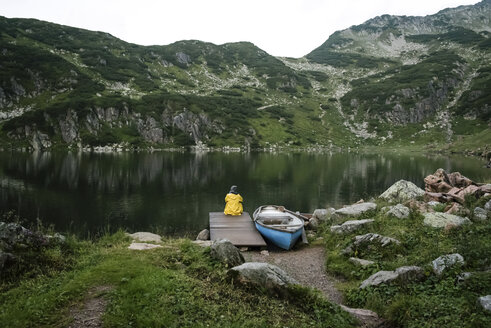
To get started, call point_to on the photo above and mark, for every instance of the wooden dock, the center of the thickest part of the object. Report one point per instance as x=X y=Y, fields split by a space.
x=240 y=230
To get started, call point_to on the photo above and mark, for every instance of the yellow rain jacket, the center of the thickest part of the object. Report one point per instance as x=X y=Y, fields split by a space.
x=233 y=204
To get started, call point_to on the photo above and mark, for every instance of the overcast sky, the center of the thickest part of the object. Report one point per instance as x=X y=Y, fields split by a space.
x=290 y=28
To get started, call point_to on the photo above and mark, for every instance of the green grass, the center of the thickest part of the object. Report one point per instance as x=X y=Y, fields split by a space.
x=178 y=285
x=437 y=301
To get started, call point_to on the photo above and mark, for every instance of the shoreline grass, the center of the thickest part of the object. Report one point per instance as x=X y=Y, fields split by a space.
x=178 y=285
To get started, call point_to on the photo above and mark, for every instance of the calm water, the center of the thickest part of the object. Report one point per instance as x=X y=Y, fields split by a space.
x=173 y=192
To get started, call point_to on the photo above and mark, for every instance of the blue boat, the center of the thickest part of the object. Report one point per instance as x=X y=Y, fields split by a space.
x=279 y=225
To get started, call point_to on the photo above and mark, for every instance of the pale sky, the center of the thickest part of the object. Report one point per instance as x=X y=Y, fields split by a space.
x=290 y=28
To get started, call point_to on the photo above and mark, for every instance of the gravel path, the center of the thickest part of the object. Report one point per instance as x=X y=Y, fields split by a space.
x=306 y=265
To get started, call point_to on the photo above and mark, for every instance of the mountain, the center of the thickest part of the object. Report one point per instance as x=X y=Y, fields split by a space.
x=389 y=81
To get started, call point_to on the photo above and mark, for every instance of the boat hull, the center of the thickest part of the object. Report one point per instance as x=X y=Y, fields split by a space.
x=282 y=239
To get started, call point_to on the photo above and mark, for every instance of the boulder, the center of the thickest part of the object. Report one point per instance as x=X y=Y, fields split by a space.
x=360 y=262
x=354 y=210
x=313 y=224
x=487 y=206
x=142 y=246
x=375 y=237
x=485 y=302
x=13 y=234
x=480 y=214
x=381 y=277
x=224 y=251
x=398 y=211
x=323 y=214
x=402 y=191
x=57 y=239
x=446 y=261
x=145 y=237
x=203 y=235
x=350 y=226
x=401 y=275
x=442 y=220
x=264 y=275
x=369 y=318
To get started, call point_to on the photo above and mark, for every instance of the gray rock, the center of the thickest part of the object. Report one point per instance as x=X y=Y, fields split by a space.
x=375 y=237
x=183 y=58
x=224 y=251
x=410 y=273
x=402 y=191
x=485 y=302
x=203 y=235
x=143 y=246
x=203 y=243
x=13 y=234
x=441 y=220
x=360 y=262
x=313 y=224
x=350 y=226
x=323 y=214
x=381 y=277
x=480 y=214
x=264 y=275
x=355 y=210
x=320 y=214
x=369 y=318
x=445 y=262
x=464 y=276
x=57 y=238
x=399 y=211
x=487 y=206
x=146 y=236
x=401 y=275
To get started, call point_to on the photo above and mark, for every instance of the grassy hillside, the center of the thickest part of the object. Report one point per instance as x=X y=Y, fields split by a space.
x=390 y=79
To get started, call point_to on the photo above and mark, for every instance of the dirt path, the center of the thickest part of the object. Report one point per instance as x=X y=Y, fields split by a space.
x=90 y=312
x=307 y=266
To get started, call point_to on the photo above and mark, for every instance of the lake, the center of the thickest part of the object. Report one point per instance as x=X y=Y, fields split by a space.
x=172 y=192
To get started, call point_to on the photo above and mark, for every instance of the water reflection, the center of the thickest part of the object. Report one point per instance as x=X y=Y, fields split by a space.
x=173 y=192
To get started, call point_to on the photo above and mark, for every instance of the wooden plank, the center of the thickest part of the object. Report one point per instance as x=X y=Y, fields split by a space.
x=240 y=230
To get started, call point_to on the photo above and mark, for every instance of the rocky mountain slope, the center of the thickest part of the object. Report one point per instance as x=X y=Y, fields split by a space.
x=390 y=81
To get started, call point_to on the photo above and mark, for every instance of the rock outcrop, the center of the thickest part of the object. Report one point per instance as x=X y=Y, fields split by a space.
x=453 y=187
